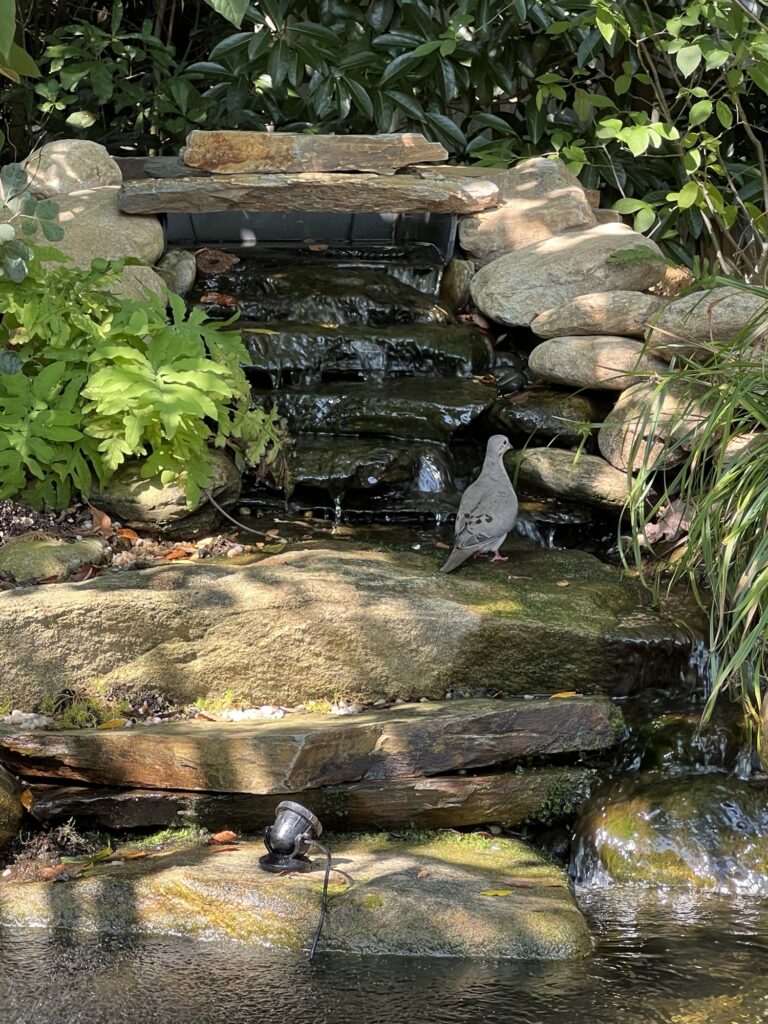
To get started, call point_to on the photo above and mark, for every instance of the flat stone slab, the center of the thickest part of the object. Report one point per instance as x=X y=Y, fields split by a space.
x=309 y=624
x=310 y=353
x=237 y=152
x=289 y=193
x=500 y=798
x=301 y=752
x=408 y=408
x=420 y=897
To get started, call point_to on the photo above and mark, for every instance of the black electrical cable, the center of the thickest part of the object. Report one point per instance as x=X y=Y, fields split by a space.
x=240 y=526
x=324 y=901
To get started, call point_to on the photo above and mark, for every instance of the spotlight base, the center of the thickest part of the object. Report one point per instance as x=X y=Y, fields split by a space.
x=278 y=862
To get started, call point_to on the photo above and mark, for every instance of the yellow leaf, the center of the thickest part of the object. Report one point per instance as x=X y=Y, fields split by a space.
x=562 y=583
x=114 y=723
x=565 y=693
x=496 y=892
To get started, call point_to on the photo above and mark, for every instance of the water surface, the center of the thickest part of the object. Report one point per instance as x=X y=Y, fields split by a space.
x=671 y=958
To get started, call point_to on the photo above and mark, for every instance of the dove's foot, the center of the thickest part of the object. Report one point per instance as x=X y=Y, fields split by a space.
x=499 y=558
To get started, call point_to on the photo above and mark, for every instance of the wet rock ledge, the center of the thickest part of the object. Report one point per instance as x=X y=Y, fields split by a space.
x=427 y=894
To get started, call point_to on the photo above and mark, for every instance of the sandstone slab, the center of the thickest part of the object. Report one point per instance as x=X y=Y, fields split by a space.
x=239 y=152
x=692 y=325
x=411 y=897
x=309 y=624
x=537 y=199
x=603 y=362
x=33 y=556
x=514 y=289
x=70 y=165
x=622 y=313
x=288 y=193
x=304 y=752
x=587 y=478
x=502 y=798
x=651 y=427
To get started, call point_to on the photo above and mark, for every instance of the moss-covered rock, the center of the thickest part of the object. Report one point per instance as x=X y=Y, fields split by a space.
x=312 y=624
x=704 y=832
x=34 y=556
x=435 y=894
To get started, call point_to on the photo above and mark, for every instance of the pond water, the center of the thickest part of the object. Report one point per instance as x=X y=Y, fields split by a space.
x=671 y=958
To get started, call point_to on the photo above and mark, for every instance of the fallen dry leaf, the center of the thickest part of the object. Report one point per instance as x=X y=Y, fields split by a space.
x=564 y=693
x=562 y=583
x=223 y=837
x=201 y=716
x=26 y=799
x=440 y=544
x=215 y=261
x=176 y=553
x=423 y=873
x=101 y=522
x=127 y=534
x=61 y=872
x=85 y=572
x=113 y=723
x=218 y=299
x=496 y=892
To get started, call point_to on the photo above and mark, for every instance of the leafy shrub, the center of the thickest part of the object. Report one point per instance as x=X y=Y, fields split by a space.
x=91 y=380
x=22 y=214
x=721 y=491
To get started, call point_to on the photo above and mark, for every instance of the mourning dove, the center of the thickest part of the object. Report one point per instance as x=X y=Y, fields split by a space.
x=487 y=511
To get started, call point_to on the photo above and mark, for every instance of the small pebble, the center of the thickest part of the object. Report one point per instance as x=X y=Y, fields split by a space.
x=495 y=830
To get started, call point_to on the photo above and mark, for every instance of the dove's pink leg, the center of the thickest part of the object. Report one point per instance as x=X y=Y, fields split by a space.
x=499 y=558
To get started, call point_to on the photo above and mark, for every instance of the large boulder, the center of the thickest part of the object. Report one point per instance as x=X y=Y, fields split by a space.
x=311 y=624
x=537 y=199
x=559 y=474
x=693 y=324
x=515 y=288
x=136 y=281
x=430 y=894
x=603 y=362
x=618 y=312
x=702 y=832
x=651 y=427
x=94 y=227
x=70 y=165
x=147 y=504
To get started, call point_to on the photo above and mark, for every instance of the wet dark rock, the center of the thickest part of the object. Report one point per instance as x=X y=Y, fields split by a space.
x=698 y=831
x=11 y=808
x=418 y=410
x=544 y=414
x=339 y=466
x=554 y=472
x=662 y=735
x=319 y=294
x=502 y=798
x=292 y=353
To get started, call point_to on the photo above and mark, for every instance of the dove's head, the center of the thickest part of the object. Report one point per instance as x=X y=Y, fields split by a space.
x=497 y=445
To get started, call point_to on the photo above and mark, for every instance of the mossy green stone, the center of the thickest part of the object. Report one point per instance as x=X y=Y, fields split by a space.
x=425 y=894
x=33 y=556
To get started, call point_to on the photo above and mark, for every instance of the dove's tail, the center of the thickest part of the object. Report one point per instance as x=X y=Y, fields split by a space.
x=456 y=558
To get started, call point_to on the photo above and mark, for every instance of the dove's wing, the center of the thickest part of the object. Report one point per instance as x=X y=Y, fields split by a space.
x=477 y=521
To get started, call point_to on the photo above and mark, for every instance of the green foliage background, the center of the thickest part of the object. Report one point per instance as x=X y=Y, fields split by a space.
x=663 y=105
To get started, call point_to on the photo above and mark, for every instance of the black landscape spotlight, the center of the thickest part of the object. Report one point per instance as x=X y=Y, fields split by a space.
x=288 y=840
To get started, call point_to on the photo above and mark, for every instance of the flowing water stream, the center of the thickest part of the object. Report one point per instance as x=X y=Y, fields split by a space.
x=659 y=958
